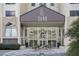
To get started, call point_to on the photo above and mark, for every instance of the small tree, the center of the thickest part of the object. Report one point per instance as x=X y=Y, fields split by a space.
x=73 y=33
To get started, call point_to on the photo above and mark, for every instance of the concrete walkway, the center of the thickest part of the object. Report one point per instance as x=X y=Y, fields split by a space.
x=41 y=52
x=4 y=51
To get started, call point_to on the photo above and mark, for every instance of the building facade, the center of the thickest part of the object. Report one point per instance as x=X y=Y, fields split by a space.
x=36 y=24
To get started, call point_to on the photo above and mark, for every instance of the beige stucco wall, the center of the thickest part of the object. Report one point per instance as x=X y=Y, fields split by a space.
x=0 y=19
x=1 y=13
x=69 y=20
x=65 y=10
x=24 y=7
x=15 y=20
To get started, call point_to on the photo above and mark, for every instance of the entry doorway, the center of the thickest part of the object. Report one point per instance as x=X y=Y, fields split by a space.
x=42 y=36
x=32 y=43
x=52 y=43
x=43 y=43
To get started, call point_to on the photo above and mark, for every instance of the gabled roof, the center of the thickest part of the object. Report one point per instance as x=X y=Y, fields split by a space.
x=35 y=14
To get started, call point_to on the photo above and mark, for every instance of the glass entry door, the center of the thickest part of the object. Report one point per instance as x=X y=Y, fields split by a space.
x=33 y=43
x=42 y=36
x=52 y=43
x=43 y=43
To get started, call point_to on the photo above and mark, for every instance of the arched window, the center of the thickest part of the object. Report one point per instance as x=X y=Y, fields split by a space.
x=10 y=30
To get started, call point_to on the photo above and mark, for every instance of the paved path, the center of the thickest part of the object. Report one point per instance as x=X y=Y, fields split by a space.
x=4 y=51
x=32 y=52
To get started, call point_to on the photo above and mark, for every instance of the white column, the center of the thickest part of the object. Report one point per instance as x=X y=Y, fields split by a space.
x=61 y=35
x=1 y=23
x=23 y=34
x=27 y=36
x=19 y=24
x=51 y=37
x=38 y=34
x=57 y=35
x=1 y=39
x=47 y=37
x=19 y=38
x=51 y=33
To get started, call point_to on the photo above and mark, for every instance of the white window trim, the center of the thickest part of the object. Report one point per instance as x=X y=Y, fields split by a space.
x=10 y=32
x=4 y=10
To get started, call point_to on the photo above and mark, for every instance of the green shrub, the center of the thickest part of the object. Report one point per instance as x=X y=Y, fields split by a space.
x=73 y=33
x=9 y=46
x=73 y=49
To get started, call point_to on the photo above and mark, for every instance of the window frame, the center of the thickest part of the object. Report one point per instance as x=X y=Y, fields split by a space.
x=42 y=4
x=9 y=31
x=74 y=3
x=10 y=3
x=74 y=12
x=33 y=4
x=9 y=13
x=52 y=4
x=12 y=8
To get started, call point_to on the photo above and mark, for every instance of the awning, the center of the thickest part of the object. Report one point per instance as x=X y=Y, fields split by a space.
x=43 y=14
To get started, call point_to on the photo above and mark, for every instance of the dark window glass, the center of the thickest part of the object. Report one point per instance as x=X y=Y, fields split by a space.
x=10 y=13
x=52 y=4
x=43 y=4
x=74 y=13
x=10 y=3
x=33 y=4
x=74 y=3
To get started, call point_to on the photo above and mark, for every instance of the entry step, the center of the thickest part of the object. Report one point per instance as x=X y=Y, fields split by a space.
x=22 y=47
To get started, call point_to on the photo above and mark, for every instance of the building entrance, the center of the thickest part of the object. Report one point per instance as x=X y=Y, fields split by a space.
x=42 y=36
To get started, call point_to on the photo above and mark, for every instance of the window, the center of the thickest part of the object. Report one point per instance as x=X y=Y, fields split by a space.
x=74 y=3
x=52 y=4
x=42 y=18
x=43 y=4
x=10 y=30
x=32 y=34
x=9 y=9
x=10 y=13
x=74 y=13
x=9 y=3
x=33 y=4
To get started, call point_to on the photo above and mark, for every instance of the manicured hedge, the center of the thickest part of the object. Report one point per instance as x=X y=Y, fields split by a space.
x=9 y=46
